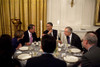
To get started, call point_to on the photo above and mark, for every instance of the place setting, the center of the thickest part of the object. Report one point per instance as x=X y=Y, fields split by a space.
x=71 y=59
x=24 y=56
x=64 y=52
x=24 y=48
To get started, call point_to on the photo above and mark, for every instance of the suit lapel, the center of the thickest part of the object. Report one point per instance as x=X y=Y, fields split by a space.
x=27 y=35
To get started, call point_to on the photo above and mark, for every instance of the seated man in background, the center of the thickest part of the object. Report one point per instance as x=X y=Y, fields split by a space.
x=72 y=38
x=17 y=40
x=50 y=31
x=92 y=57
x=30 y=35
x=46 y=59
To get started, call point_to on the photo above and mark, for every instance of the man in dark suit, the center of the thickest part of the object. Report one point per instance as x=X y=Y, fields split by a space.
x=46 y=59
x=50 y=31
x=92 y=57
x=30 y=35
x=98 y=36
x=72 y=38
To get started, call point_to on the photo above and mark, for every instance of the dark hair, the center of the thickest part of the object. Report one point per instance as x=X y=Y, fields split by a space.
x=19 y=33
x=48 y=43
x=30 y=26
x=6 y=49
x=6 y=52
x=50 y=23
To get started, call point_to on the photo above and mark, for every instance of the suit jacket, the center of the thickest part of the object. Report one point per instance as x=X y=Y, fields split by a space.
x=26 y=37
x=75 y=41
x=45 y=60
x=15 y=43
x=54 y=33
x=91 y=58
x=98 y=36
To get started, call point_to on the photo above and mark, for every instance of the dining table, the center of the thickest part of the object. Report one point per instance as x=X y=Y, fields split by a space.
x=66 y=52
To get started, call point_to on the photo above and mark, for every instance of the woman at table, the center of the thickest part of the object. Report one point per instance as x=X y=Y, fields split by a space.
x=18 y=39
x=6 y=52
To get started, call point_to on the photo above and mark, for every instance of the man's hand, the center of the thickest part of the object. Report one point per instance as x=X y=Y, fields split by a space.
x=27 y=43
x=59 y=41
x=49 y=31
x=20 y=45
x=43 y=34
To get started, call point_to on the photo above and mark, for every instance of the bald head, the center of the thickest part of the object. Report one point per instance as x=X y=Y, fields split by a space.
x=68 y=31
x=91 y=38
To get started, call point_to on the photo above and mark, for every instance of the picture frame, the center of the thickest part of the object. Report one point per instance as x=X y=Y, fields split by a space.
x=97 y=15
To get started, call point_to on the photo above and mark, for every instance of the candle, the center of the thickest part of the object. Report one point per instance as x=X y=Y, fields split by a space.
x=41 y=29
x=58 y=29
x=58 y=22
x=58 y=25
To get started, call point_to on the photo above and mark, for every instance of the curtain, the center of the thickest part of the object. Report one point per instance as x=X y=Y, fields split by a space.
x=28 y=11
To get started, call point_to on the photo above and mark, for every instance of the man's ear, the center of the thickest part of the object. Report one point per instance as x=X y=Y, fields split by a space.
x=86 y=42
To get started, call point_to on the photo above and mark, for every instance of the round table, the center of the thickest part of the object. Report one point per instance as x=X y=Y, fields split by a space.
x=35 y=50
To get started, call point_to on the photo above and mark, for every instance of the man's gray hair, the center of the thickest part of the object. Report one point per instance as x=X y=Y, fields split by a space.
x=91 y=38
x=69 y=29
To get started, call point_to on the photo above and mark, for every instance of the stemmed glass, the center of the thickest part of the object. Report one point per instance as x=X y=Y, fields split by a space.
x=31 y=49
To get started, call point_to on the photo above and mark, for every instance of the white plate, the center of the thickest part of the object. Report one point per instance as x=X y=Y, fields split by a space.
x=75 y=50
x=18 y=52
x=71 y=59
x=23 y=48
x=24 y=56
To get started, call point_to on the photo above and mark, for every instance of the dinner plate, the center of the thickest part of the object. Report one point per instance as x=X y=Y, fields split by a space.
x=75 y=50
x=18 y=52
x=23 y=48
x=71 y=59
x=24 y=56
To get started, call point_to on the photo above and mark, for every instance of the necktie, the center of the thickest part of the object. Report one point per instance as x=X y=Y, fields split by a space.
x=31 y=38
x=68 y=39
x=50 y=34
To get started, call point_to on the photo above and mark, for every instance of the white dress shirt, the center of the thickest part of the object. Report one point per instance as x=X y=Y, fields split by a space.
x=52 y=33
x=29 y=35
x=70 y=37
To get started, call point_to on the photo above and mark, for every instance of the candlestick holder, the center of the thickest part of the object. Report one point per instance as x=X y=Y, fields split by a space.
x=17 y=23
